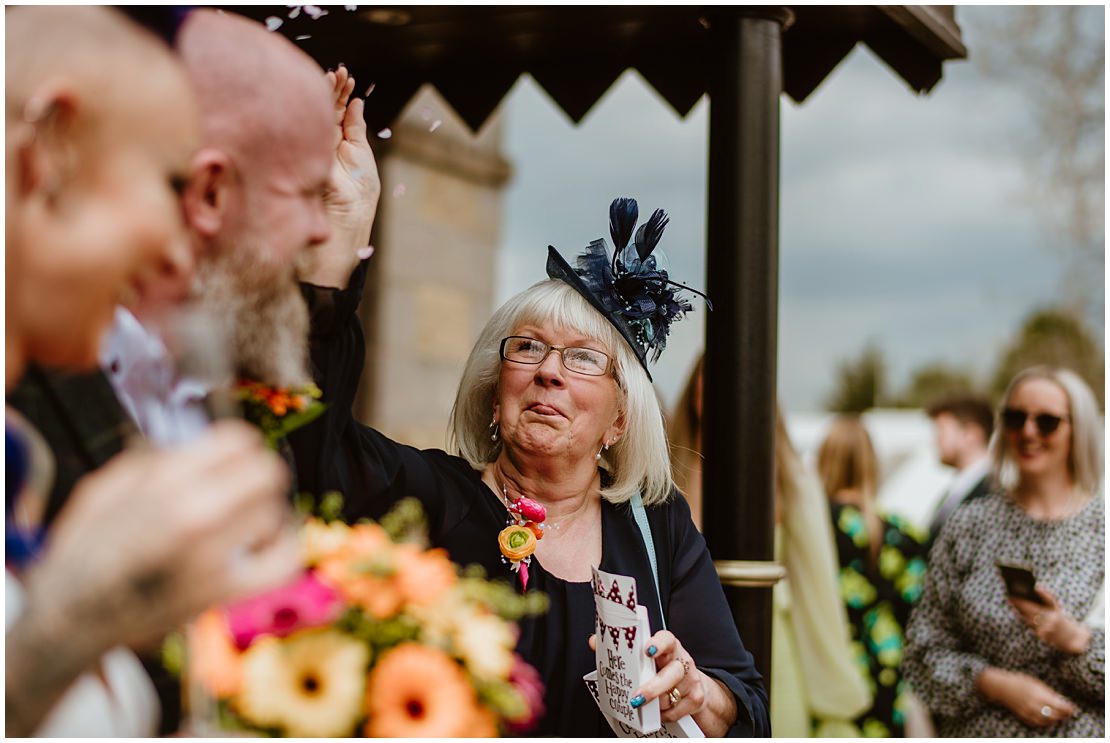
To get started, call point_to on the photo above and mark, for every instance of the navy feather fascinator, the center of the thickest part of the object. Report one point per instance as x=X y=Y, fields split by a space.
x=628 y=288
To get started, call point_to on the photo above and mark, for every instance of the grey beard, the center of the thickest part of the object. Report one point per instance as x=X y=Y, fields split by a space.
x=265 y=321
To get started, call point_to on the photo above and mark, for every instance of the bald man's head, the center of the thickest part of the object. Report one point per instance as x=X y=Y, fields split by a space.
x=101 y=122
x=267 y=137
x=255 y=202
x=247 y=80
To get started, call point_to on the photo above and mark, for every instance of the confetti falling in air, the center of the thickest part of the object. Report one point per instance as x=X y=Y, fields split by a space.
x=302 y=37
x=704 y=23
x=385 y=133
x=369 y=90
x=350 y=7
x=364 y=253
x=314 y=11
x=399 y=190
x=435 y=125
x=296 y=10
x=273 y=23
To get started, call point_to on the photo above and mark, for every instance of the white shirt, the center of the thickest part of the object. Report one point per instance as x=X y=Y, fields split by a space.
x=167 y=407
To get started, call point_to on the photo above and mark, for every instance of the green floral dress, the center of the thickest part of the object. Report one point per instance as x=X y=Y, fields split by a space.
x=879 y=600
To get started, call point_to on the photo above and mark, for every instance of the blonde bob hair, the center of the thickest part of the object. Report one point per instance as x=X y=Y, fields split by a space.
x=1085 y=445
x=638 y=462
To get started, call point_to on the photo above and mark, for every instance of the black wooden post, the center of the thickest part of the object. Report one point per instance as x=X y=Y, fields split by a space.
x=741 y=331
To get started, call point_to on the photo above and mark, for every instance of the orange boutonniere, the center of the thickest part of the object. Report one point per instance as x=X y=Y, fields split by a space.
x=278 y=412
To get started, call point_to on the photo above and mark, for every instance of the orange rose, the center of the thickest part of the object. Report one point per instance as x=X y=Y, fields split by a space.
x=516 y=542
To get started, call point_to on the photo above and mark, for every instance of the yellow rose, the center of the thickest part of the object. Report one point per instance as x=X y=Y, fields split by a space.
x=517 y=542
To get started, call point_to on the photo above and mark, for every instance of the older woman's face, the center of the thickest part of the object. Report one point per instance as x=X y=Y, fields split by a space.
x=547 y=409
x=1034 y=453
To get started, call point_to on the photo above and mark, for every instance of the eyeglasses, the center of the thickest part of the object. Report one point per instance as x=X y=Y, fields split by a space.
x=1014 y=420
x=523 y=350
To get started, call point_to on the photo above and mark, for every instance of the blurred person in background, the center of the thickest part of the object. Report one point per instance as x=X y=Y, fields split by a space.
x=963 y=424
x=990 y=664
x=816 y=689
x=100 y=123
x=882 y=564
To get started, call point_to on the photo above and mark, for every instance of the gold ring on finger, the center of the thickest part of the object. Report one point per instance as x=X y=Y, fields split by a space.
x=675 y=696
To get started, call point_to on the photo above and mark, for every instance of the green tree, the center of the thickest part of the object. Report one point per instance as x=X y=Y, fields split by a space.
x=1056 y=337
x=932 y=381
x=860 y=382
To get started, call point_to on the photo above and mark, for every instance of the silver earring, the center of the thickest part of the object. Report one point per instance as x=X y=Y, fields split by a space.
x=604 y=448
x=495 y=428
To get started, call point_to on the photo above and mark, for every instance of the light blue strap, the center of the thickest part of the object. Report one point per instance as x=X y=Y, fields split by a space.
x=640 y=515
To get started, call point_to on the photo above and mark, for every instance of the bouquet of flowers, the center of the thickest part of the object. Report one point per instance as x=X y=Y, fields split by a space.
x=380 y=637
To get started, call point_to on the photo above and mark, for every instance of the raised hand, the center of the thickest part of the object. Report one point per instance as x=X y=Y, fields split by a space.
x=353 y=192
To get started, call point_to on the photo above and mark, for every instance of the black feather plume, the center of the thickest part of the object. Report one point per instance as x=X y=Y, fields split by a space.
x=630 y=288
x=647 y=237
x=623 y=213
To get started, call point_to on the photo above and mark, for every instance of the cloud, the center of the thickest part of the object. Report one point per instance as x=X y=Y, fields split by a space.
x=900 y=217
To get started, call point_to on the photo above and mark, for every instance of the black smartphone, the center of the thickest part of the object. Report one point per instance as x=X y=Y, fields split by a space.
x=1019 y=581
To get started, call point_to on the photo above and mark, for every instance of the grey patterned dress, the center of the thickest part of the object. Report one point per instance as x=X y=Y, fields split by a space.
x=963 y=623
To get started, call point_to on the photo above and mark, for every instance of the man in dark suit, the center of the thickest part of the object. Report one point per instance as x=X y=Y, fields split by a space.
x=963 y=425
x=250 y=212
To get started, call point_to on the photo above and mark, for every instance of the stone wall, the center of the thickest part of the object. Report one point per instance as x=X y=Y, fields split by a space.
x=431 y=282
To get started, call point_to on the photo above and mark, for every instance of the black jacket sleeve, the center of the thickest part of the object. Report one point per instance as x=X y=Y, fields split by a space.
x=338 y=453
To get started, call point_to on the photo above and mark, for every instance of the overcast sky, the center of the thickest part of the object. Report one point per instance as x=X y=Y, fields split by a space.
x=902 y=221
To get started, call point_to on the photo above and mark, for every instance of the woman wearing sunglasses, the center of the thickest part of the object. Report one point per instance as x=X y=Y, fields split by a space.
x=986 y=661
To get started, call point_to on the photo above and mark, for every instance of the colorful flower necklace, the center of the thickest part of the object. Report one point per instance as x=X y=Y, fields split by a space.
x=526 y=527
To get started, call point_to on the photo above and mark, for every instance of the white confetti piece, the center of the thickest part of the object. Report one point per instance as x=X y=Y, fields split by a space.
x=369 y=90
x=385 y=133
x=399 y=190
x=296 y=10
x=435 y=125
x=314 y=11
x=364 y=253
x=273 y=23
x=350 y=7
x=302 y=37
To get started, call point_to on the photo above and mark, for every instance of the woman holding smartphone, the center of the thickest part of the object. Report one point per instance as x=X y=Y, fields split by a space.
x=986 y=662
